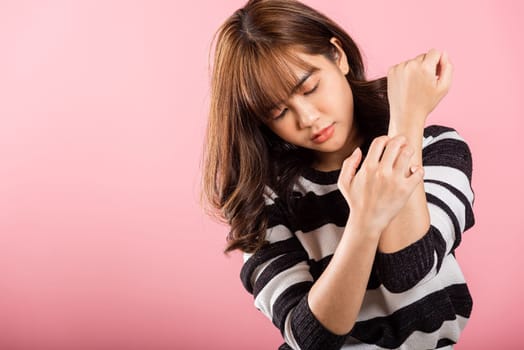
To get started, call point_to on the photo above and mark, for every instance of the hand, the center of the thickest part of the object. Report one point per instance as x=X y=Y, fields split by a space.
x=382 y=186
x=416 y=86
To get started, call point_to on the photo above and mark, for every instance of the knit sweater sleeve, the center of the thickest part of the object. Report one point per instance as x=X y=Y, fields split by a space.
x=279 y=279
x=447 y=164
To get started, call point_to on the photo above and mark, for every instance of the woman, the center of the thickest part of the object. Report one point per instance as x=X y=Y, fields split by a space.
x=348 y=210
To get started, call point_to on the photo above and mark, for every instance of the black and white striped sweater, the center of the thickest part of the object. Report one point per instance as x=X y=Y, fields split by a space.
x=416 y=298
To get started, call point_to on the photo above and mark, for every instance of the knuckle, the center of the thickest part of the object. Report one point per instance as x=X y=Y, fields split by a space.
x=408 y=152
x=383 y=138
x=382 y=172
x=370 y=167
x=378 y=140
x=396 y=142
x=400 y=138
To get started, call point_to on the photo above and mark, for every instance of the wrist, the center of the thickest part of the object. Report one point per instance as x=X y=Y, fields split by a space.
x=413 y=131
x=365 y=227
x=411 y=126
x=406 y=118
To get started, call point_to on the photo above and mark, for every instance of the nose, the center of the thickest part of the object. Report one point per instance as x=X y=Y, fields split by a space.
x=307 y=115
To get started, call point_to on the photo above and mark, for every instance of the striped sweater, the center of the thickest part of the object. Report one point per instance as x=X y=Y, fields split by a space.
x=416 y=298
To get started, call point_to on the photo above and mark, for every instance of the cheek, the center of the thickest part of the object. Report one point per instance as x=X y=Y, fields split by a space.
x=337 y=99
x=346 y=99
x=285 y=129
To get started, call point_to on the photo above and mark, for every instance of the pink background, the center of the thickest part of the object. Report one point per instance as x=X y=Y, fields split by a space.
x=103 y=106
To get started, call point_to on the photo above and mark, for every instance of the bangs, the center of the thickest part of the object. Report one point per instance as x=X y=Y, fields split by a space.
x=267 y=79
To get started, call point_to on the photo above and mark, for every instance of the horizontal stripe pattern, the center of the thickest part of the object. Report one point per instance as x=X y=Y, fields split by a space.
x=381 y=302
x=321 y=241
x=425 y=308
x=402 y=270
x=305 y=185
x=425 y=315
x=417 y=340
x=316 y=211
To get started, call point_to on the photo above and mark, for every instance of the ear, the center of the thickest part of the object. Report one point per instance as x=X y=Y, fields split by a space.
x=340 y=55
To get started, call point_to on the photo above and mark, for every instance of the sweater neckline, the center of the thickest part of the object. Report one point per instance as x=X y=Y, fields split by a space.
x=321 y=177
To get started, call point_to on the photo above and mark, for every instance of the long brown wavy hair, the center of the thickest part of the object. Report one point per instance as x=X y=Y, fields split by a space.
x=251 y=74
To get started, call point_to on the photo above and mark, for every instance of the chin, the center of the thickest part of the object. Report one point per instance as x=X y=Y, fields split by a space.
x=328 y=149
x=336 y=144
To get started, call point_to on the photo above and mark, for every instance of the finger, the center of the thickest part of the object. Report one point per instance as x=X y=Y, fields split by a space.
x=392 y=151
x=428 y=55
x=417 y=175
x=376 y=148
x=420 y=57
x=350 y=164
x=432 y=56
x=403 y=161
x=446 y=71
x=431 y=60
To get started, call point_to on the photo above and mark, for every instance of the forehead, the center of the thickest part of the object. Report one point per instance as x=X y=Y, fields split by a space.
x=313 y=64
x=313 y=60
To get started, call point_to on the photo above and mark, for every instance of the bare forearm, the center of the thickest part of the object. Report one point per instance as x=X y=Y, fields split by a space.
x=336 y=297
x=412 y=222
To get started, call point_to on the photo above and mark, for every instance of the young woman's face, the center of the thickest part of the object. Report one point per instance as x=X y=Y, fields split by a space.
x=322 y=104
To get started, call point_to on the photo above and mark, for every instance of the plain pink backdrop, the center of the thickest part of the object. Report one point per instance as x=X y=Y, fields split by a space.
x=103 y=106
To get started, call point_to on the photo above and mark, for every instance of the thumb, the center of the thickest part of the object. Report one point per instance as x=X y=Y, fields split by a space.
x=446 y=71
x=417 y=174
x=351 y=163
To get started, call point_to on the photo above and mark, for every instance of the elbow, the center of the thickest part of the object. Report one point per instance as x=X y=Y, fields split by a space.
x=311 y=334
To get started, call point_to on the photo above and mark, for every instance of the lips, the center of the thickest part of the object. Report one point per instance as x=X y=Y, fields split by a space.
x=324 y=134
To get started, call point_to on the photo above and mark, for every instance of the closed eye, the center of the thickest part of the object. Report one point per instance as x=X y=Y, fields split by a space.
x=281 y=114
x=285 y=109
x=311 y=91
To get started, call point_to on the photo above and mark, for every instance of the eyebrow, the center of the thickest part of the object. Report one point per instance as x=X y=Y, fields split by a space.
x=300 y=82
x=303 y=79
